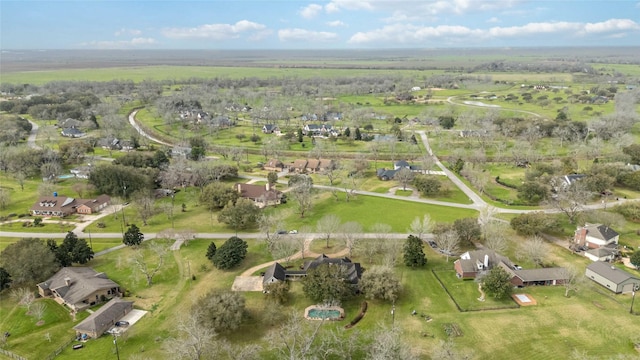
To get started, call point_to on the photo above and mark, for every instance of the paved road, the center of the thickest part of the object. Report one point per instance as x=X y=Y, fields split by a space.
x=132 y=121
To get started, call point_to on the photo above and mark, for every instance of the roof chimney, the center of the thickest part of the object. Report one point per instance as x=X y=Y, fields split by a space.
x=67 y=281
x=486 y=261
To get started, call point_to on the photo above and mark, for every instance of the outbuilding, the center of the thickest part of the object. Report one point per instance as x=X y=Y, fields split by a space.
x=609 y=276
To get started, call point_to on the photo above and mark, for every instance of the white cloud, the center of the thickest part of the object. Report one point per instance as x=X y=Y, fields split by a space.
x=336 y=23
x=120 y=44
x=412 y=34
x=217 y=31
x=336 y=5
x=310 y=11
x=493 y=20
x=611 y=25
x=125 y=31
x=295 y=35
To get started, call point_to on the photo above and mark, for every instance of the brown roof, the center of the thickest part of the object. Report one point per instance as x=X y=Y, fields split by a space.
x=55 y=204
x=299 y=164
x=274 y=163
x=325 y=163
x=313 y=164
x=254 y=192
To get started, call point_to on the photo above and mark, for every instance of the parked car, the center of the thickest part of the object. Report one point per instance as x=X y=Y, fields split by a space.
x=517 y=267
x=293 y=232
x=281 y=232
x=122 y=323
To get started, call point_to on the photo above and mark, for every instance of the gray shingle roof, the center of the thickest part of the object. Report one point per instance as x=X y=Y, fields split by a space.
x=83 y=281
x=601 y=232
x=105 y=317
x=544 y=274
x=610 y=272
x=276 y=271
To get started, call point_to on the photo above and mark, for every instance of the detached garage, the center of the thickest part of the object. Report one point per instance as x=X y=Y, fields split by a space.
x=609 y=276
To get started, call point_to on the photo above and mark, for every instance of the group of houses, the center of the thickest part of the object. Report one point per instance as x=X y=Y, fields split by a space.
x=79 y=288
x=300 y=166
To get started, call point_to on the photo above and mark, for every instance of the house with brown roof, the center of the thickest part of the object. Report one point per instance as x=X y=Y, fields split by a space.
x=298 y=166
x=104 y=318
x=261 y=195
x=313 y=165
x=63 y=206
x=274 y=165
x=79 y=287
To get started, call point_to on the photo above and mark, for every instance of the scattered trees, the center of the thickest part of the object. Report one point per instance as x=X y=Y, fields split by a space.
x=533 y=223
x=420 y=227
x=230 y=254
x=635 y=259
x=217 y=195
x=448 y=241
x=144 y=263
x=413 y=253
x=327 y=226
x=211 y=251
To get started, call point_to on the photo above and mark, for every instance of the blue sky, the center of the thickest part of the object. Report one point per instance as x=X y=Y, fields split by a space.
x=335 y=24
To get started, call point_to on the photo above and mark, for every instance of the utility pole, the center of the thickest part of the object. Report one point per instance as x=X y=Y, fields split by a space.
x=633 y=297
x=115 y=342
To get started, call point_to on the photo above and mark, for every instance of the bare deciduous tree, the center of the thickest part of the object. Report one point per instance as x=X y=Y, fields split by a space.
x=144 y=263
x=351 y=232
x=448 y=242
x=327 y=226
x=404 y=177
x=296 y=339
x=495 y=236
x=535 y=249
x=420 y=227
x=194 y=342
x=569 y=199
x=572 y=279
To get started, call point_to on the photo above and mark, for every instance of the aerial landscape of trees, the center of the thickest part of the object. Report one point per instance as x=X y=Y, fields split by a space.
x=547 y=146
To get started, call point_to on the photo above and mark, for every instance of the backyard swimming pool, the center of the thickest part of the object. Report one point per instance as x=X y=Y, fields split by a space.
x=315 y=312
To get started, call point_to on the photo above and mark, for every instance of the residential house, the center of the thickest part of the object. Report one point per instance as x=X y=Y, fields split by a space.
x=474 y=263
x=104 y=318
x=261 y=195
x=352 y=271
x=79 y=287
x=313 y=165
x=180 y=152
x=403 y=164
x=298 y=166
x=595 y=236
x=319 y=130
x=270 y=129
x=72 y=132
x=69 y=123
x=325 y=164
x=540 y=276
x=274 y=273
x=63 y=206
x=81 y=172
x=274 y=165
x=612 y=278
x=385 y=174
x=605 y=253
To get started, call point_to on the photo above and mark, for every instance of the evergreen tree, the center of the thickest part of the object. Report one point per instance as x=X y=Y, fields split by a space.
x=497 y=283
x=300 y=135
x=413 y=254
x=211 y=251
x=133 y=236
x=5 y=279
x=74 y=249
x=230 y=254
x=358 y=135
x=347 y=132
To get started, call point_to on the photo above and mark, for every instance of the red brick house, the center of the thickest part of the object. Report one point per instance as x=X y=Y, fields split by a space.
x=63 y=206
x=261 y=195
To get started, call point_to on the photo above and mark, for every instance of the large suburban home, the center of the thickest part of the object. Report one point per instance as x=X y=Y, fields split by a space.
x=261 y=195
x=63 y=206
x=386 y=174
x=474 y=263
x=271 y=129
x=594 y=236
x=79 y=287
x=104 y=318
x=612 y=278
x=276 y=272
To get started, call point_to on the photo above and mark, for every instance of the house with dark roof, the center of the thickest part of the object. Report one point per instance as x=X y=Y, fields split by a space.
x=594 y=236
x=270 y=129
x=386 y=174
x=352 y=271
x=605 y=253
x=104 y=318
x=72 y=132
x=261 y=195
x=63 y=206
x=612 y=278
x=79 y=287
x=540 y=276
x=274 y=273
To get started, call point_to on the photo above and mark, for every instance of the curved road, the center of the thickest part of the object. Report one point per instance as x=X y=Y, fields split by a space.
x=31 y=140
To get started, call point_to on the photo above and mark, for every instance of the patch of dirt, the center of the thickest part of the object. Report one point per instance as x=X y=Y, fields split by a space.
x=598 y=305
x=40 y=323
